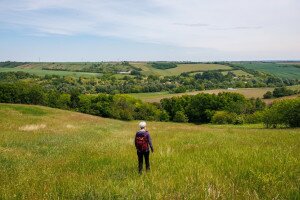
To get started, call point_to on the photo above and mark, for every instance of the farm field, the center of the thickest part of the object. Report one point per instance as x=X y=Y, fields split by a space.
x=289 y=63
x=278 y=69
x=283 y=70
x=54 y=154
x=41 y=72
x=269 y=101
x=148 y=69
x=247 y=92
x=239 y=73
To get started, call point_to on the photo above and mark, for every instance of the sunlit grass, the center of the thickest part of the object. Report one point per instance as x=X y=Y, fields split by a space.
x=77 y=156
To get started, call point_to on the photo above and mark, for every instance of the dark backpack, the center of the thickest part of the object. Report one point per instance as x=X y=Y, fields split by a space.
x=141 y=142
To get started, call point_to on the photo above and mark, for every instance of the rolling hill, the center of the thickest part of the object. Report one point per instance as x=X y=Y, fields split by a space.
x=49 y=154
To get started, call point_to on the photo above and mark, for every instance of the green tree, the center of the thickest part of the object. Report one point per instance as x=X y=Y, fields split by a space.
x=180 y=116
x=268 y=95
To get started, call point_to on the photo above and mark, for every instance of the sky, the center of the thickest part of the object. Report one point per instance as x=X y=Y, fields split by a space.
x=149 y=30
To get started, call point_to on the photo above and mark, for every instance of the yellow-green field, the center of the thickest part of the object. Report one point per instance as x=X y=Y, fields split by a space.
x=239 y=73
x=247 y=92
x=40 y=72
x=54 y=154
x=148 y=69
x=290 y=63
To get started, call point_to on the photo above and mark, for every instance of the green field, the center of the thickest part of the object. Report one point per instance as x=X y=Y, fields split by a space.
x=239 y=73
x=289 y=63
x=148 y=69
x=282 y=70
x=53 y=154
x=157 y=96
x=41 y=72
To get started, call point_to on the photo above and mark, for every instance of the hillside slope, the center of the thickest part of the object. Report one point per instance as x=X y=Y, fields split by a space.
x=50 y=153
x=247 y=92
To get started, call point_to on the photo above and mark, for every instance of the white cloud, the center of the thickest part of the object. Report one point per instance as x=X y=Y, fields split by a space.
x=231 y=25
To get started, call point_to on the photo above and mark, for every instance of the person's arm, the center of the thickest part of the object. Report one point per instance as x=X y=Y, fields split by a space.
x=150 y=142
x=135 y=140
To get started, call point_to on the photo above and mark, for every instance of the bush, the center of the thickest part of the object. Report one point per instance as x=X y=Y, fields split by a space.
x=163 y=65
x=282 y=91
x=180 y=117
x=122 y=107
x=283 y=113
x=239 y=119
x=254 y=118
x=180 y=89
x=268 y=95
x=224 y=117
x=147 y=111
x=164 y=117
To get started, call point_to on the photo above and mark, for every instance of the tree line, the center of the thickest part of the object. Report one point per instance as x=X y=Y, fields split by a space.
x=137 y=83
x=280 y=92
x=201 y=108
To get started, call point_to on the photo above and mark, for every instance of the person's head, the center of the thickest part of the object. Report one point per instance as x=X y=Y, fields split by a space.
x=142 y=124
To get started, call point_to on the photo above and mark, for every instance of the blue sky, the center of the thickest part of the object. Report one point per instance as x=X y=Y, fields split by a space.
x=106 y=30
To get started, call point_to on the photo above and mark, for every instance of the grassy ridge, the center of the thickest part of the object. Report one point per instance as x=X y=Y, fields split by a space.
x=49 y=153
x=148 y=69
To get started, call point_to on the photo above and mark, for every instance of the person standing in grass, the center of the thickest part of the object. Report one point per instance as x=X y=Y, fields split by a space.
x=142 y=143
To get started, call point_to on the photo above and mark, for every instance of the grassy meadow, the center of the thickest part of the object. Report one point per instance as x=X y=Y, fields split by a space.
x=148 y=69
x=41 y=72
x=54 y=154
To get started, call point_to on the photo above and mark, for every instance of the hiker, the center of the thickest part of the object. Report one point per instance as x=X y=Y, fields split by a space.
x=142 y=143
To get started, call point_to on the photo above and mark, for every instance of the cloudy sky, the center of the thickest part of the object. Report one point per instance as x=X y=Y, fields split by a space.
x=196 y=30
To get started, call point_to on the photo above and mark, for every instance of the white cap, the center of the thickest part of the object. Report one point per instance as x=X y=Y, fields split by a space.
x=142 y=124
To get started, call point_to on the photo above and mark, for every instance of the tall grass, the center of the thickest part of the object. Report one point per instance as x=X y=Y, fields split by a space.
x=76 y=156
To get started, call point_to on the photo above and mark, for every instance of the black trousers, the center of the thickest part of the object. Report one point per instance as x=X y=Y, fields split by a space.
x=141 y=156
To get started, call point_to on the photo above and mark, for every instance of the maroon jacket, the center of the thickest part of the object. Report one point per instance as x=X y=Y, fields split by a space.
x=145 y=133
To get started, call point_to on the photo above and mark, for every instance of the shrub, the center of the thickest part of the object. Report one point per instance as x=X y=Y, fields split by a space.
x=164 y=117
x=180 y=89
x=122 y=107
x=268 y=95
x=180 y=117
x=239 y=119
x=254 y=118
x=283 y=113
x=282 y=91
x=163 y=65
x=224 y=117
x=146 y=111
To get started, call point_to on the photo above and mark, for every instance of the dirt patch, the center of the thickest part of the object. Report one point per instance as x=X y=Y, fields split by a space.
x=32 y=127
x=26 y=66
